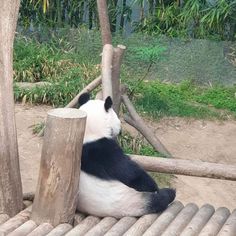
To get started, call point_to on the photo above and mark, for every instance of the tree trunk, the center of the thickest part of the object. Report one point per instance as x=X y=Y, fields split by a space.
x=57 y=191
x=122 y=17
x=11 y=201
x=90 y=9
x=104 y=22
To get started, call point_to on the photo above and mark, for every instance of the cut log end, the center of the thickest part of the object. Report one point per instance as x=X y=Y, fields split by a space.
x=67 y=113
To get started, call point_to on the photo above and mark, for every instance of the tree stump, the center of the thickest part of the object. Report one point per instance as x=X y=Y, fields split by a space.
x=58 y=184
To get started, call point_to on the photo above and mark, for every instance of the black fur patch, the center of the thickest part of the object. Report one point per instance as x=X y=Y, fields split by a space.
x=83 y=98
x=108 y=103
x=159 y=201
x=105 y=159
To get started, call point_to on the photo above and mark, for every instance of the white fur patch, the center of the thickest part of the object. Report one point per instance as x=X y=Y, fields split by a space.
x=109 y=198
x=99 y=123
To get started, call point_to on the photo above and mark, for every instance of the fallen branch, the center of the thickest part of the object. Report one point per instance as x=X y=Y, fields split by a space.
x=94 y=84
x=137 y=122
x=186 y=167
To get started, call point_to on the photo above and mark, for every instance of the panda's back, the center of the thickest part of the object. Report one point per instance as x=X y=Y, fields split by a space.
x=104 y=159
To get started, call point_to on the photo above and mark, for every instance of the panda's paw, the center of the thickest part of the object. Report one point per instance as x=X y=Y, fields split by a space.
x=170 y=193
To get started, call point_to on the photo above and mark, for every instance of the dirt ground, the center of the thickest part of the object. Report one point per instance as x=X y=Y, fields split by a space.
x=184 y=138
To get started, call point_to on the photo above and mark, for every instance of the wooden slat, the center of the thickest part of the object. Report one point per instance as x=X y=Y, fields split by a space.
x=121 y=226
x=182 y=219
x=84 y=226
x=162 y=222
x=102 y=227
x=141 y=225
x=198 y=221
x=3 y=218
x=229 y=228
x=41 y=230
x=24 y=229
x=216 y=222
x=60 y=230
x=15 y=222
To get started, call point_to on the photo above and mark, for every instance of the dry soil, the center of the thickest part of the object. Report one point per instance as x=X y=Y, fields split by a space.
x=213 y=141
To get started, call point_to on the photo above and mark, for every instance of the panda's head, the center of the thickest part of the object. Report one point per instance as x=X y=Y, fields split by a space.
x=101 y=121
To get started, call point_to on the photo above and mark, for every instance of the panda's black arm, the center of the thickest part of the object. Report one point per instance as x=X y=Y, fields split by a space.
x=134 y=176
x=106 y=160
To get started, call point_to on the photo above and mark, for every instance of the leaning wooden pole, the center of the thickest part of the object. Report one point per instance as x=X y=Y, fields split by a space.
x=186 y=167
x=10 y=181
x=57 y=190
x=137 y=122
x=91 y=86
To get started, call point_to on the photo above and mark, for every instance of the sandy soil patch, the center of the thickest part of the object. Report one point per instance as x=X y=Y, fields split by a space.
x=184 y=138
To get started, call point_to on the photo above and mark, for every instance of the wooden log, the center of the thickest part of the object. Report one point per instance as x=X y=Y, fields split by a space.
x=121 y=226
x=94 y=84
x=137 y=122
x=24 y=229
x=99 y=95
x=60 y=230
x=27 y=203
x=229 y=228
x=41 y=230
x=186 y=167
x=102 y=227
x=104 y=22
x=141 y=225
x=84 y=226
x=57 y=190
x=107 y=55
x=199 y=221
x=10 y=180
x=181 y=220
x=78 y=218
x=116 y=65
x=216 y=222
x=3 y=218
x=162 y=222
x=14 y=222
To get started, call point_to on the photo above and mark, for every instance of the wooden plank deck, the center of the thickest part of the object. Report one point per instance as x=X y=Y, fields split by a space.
x=177 y=220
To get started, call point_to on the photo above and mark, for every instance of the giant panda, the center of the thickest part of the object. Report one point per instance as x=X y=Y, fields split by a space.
x=111 y=184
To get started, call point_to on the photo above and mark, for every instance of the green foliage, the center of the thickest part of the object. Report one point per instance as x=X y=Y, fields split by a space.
x=147 y=54
x=220 y=97
x=59 y=62
x=37 y=128
x=195 y=19
x=69 y=61
x=136 y=145
x=158 y=99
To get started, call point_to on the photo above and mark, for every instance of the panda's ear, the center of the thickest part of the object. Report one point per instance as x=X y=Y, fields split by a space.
x=108 y=103
x=83 y=98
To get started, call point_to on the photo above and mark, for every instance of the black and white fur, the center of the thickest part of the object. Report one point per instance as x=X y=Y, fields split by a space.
x=110 y=183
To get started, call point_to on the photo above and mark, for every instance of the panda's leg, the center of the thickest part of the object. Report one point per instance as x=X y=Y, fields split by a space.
x=113 y=198
x=159 y=201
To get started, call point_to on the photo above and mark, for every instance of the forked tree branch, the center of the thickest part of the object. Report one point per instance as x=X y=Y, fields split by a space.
x=137 y=122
